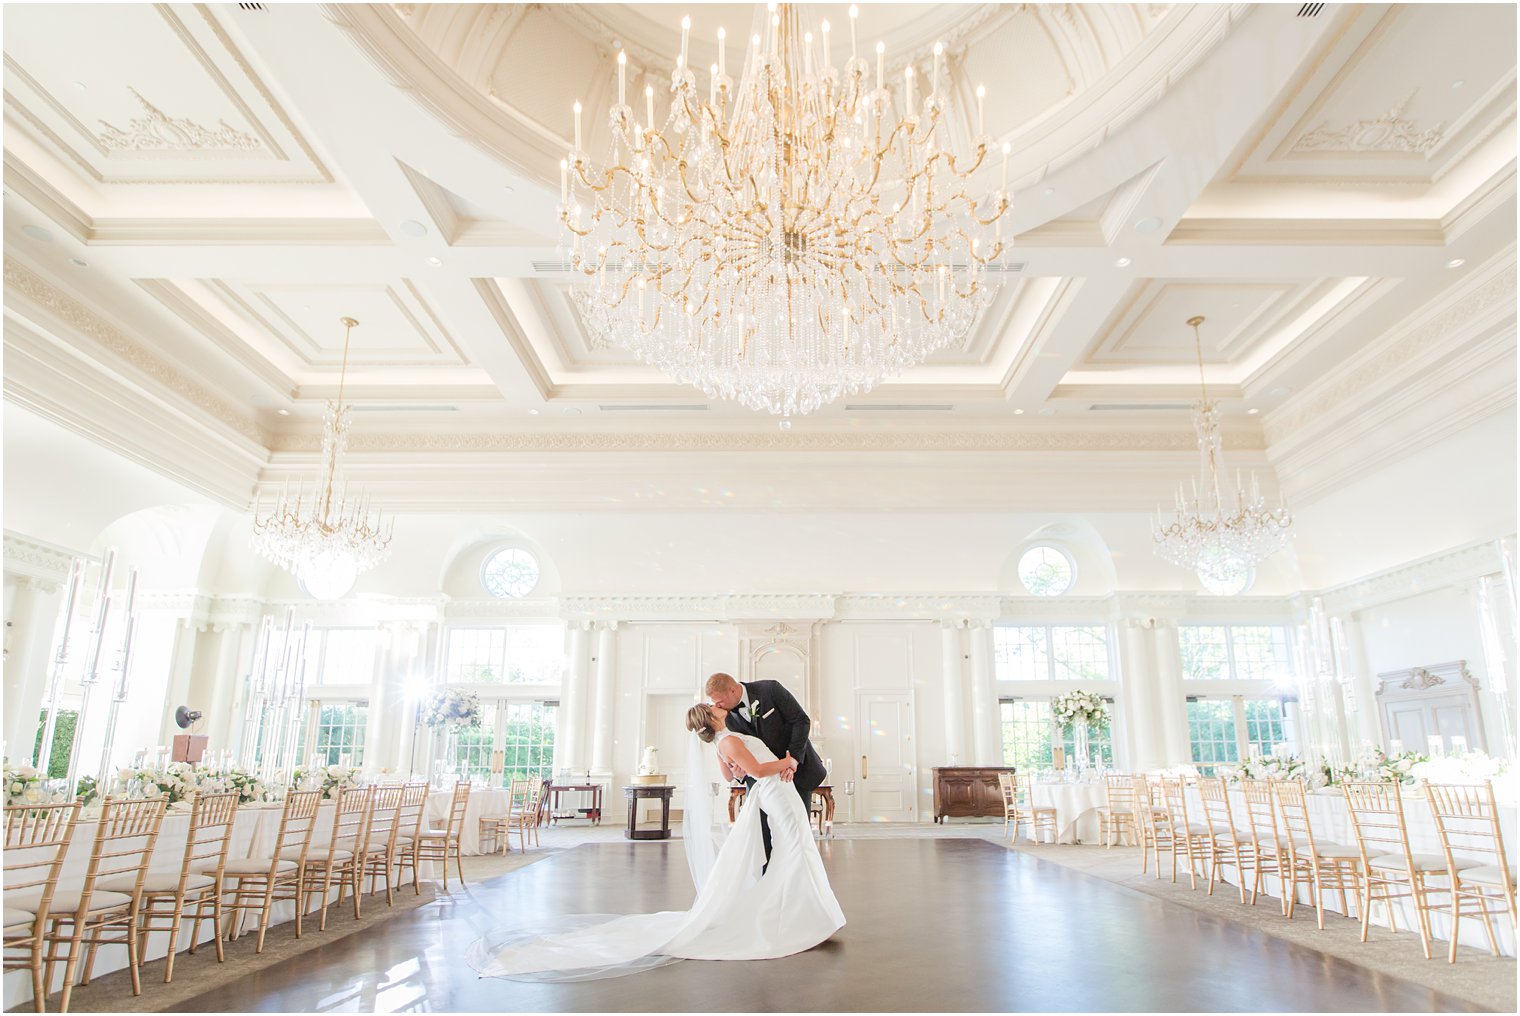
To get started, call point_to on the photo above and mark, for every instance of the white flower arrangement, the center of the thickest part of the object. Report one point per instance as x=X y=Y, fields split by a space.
x=1374 y=763
x=177 y=781
x=1079 y=705
x=1470 y=767
x=26 y=785
x=452 y=708
x=329 y=779
x=1270 y=767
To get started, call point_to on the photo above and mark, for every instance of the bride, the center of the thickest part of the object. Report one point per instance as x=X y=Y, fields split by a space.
x=739 y=913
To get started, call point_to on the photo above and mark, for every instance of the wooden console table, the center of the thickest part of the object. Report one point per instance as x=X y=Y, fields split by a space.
x=648 y=792
x=968 y=792
x=594 y=812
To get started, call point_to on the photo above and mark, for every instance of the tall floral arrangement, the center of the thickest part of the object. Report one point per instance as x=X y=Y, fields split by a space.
x=452 y=709
x=1079 y=705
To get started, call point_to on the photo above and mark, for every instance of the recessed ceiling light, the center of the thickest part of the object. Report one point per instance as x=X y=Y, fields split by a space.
x=1280 y=391
x=79 y=262
x=1458 y=83
x=1122 y=263
x=1456 y=262
x=434 y=260
x=532 y=412
x=1149 y=224
x=1047 y=411
x=572 y=411
x=411 y=227
x=1049 y=192
x=37 y=233
x=506 y=189
x=283 y=412
x=1252 y=412
x=1018 y=412
x=82 y=86
x=785 y=424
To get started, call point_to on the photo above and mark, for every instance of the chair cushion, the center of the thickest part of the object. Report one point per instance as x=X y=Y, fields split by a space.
x=15 y=918
x=316 y=854
x=1422 y=862
x=168 y=883
x=1323 y=849
x=255 y=865
x=1485 y=874
x=435 y=834
x=66 y=900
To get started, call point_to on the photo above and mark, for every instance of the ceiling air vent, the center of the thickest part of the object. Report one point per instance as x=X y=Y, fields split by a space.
x=653 y=409
x=1310 y=10
x=1134 y=407
x=890 y=408
x=251 y=7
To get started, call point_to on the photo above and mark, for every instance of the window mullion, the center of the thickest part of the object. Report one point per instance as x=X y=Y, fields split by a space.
x=1242 y=734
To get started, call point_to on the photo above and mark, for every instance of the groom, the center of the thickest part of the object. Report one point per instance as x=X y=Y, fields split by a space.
x=766 y=710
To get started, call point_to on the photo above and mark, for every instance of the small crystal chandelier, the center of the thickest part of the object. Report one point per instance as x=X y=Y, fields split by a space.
x=1219 y=542
x=323 y=537
x=788 y=240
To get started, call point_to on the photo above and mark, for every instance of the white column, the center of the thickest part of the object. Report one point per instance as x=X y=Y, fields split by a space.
x=570 y=753
x=984 y=709
x=955 y=698
x=34 y=622
x=182 y=667
x=1362 y=722
x=1171 y=696
x=1144 y=722
x=220 y=690
x=606 y=691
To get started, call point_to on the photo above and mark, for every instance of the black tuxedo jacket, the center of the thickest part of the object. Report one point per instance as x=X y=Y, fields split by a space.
x=783 y=726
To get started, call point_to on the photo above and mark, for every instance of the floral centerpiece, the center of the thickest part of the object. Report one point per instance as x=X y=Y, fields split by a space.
x=1372 y=762
x=176 y=781
x=88 y=791
x=25 y=785
x=452 y=708
x=1076 y=706
x=250 y=789
x=1271 y=767
x=329 y=779
x=1468 y=767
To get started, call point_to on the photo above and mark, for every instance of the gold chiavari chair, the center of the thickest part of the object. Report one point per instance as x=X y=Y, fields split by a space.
x=439 y=844
x=384 y=830
x=1323 y=864
x=530 y=812
x=1026 y=812
x=87 y=914
x=1155 y=824
x=1225 y=845
x=408 y=827
x=36 y=840
x=1118 y=819
x=260 y=881
x=1269 y=849
x=1390 y=869
x=1194 y=839
x=1467 y=819
x=496 y=830
x=198 y=884
x=337 y=857
x=1010 y=800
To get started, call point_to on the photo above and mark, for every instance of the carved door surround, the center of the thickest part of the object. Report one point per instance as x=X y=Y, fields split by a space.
x=785 y=651
x=1439 y=698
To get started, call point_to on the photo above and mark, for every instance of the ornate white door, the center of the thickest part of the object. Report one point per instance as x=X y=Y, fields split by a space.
x=887 y=788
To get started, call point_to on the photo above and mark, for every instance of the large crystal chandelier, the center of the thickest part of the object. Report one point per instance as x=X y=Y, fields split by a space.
x=323 y=535
x=1219 y=539
x=795 y=237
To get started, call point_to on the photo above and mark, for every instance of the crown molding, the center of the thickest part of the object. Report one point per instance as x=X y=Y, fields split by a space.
x=44 y=562
x=1448 y=568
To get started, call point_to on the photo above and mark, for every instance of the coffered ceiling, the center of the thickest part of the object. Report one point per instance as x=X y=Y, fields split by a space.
x=194 y=194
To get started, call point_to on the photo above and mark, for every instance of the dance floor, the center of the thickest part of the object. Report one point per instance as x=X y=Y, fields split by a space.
x=934 y=925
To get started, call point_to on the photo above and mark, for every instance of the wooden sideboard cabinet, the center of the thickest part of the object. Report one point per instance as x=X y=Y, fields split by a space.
x=968 y=792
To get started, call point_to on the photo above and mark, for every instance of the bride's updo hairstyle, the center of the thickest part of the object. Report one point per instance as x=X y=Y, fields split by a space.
x=699 y=720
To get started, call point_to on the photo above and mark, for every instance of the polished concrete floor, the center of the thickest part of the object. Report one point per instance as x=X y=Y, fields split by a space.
x=934 y=925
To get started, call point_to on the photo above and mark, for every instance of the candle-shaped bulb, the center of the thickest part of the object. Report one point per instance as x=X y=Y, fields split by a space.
x=807 y=53
x=1006 y=149
x=881 y=65
x=908 y=90
x=981 y=101
x=685 y=36
x=649 y=105
x=854 y=13
x=722 y=51
x=622 y=77
x=577 y=108
x=939 y=65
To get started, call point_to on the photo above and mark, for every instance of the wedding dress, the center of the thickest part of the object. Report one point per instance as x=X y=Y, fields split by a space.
x=739 y=914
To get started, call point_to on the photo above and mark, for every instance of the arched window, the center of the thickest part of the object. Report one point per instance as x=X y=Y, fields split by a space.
x=1046 y=570
x=509 y=573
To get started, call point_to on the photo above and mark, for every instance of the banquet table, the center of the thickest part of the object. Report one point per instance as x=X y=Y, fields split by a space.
x=1331 y=822
x=1076 y=806
x=482 y=801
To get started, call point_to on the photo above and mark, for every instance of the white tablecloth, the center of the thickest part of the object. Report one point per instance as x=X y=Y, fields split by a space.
x=1076 y=806
x=482 y=802
x=1332 y=824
